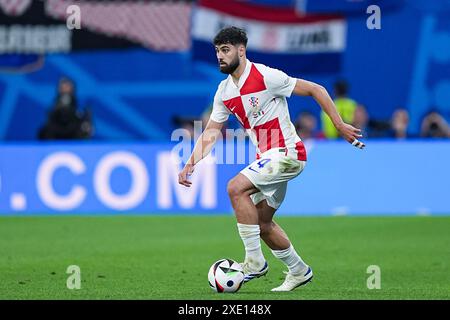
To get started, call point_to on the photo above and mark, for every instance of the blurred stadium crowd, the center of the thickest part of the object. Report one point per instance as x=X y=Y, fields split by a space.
x=308 y=126
x=66 y=121
x=137 y=69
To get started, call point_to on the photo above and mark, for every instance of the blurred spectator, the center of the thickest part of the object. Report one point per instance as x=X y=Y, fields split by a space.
x=399 y=124
x=361 y=120
x=64 y=121
x=434 y=126
x=187 y=123
x=345 y=106
x=306 y=126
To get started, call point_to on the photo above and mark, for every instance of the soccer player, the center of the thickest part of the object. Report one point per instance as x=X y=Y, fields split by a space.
x=256 y=95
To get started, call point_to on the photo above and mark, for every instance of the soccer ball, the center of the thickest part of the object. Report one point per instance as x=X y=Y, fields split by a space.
x=225 y=275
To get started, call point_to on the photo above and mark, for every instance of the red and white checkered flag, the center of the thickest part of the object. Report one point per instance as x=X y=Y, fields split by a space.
x=14 y=7
x=156 y=25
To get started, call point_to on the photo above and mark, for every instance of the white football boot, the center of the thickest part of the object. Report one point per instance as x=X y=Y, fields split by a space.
x=293 y=281
x=250 y=274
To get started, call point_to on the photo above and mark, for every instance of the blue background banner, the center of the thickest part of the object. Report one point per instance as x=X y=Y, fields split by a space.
x=387 y=178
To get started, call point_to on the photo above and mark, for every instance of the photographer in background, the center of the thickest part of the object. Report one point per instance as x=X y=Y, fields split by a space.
x=399 y=124
x=434 y=126
x=64 y=120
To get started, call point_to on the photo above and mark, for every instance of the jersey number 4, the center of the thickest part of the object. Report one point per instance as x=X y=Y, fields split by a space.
x=261 y=163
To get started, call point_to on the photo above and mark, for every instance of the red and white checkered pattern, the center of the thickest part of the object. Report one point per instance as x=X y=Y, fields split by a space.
x=259 y=103
x=14 y=7
x=161 y=26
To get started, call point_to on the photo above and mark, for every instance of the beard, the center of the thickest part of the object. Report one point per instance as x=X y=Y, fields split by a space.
x=229 y=68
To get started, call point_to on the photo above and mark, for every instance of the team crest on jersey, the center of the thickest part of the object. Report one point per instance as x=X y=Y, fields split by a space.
x=253 y=102
x=256 y=109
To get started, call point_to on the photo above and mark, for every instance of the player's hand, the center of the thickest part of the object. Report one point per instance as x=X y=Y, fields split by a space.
x=351 y=134
x=183 y=176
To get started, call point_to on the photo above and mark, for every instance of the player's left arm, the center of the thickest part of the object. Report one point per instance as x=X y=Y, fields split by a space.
x=320 y=94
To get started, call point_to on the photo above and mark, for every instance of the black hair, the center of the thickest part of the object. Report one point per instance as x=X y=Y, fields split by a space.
x=231 y=35
x=341 y=87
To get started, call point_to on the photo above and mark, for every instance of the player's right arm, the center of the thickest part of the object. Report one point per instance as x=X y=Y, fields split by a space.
x=202 y=148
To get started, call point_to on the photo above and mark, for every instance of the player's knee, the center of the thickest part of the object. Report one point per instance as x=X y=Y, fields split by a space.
x=233 y=188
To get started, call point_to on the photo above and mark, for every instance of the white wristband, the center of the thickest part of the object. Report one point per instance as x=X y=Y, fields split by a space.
x=358 y=144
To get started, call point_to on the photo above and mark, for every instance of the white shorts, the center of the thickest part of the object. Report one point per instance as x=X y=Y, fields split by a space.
x=270 y=175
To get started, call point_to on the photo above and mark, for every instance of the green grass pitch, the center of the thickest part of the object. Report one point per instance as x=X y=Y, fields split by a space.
x=155 y=257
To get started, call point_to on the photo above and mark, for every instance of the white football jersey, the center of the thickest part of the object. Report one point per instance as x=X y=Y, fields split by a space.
x=259 y=103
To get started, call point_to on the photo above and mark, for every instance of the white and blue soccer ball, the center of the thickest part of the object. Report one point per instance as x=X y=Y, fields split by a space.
x=225 y=275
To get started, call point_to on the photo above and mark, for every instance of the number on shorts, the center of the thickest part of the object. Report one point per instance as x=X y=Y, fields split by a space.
x=263 y=162
x=260 y=164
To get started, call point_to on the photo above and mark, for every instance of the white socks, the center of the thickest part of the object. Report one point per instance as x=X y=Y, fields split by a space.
x=293 y=261
x=250 y=236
